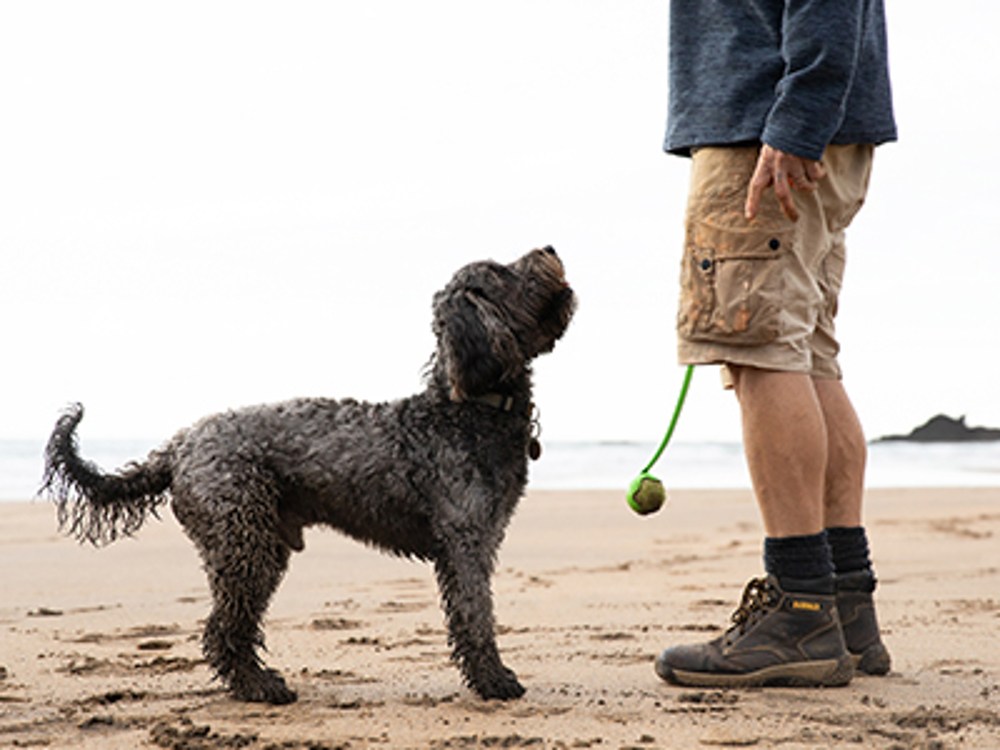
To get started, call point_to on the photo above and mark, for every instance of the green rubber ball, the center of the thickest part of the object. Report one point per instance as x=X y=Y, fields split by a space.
x=646 y=494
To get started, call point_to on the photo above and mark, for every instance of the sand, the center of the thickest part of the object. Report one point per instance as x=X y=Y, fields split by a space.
x=100 y=648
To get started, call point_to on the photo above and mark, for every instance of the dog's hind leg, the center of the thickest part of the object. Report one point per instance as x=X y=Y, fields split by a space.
x=233 y=632
x=245 y=561
x=463 y=571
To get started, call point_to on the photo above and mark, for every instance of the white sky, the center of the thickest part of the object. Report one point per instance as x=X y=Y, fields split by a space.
x=209 y=204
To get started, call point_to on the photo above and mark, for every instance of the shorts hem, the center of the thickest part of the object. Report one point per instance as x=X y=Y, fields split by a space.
x=763 y=358
x=769 y=358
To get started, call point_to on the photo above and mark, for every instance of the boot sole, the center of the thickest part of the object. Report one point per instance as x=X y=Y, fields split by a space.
x=817 y=673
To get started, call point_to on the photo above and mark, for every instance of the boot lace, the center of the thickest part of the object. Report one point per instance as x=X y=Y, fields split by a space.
x=758 y=595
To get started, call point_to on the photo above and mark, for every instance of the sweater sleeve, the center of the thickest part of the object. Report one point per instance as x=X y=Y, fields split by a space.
x=821 y=40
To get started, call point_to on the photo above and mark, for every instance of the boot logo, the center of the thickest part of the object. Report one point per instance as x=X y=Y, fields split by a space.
x=806 y=605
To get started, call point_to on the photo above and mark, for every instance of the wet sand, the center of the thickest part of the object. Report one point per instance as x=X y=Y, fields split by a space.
x=100 y=648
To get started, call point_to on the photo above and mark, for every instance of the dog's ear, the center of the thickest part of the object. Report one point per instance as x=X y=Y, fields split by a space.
x=477 y=347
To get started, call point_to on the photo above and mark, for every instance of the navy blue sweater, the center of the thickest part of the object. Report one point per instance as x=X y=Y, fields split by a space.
x=795 y=74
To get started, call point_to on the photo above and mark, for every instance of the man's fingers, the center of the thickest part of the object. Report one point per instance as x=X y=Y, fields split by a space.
x=783 y=192
x=784 y=172
x=760 y=181
x=807 y=178
x=815 y=170
x=752 y=204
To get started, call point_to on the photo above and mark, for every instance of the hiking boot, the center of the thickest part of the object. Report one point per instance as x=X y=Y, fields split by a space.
x=777 y=638
x=856 y=608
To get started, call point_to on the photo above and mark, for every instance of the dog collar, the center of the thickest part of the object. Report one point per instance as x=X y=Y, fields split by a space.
x=506 y=403
x=512 y=405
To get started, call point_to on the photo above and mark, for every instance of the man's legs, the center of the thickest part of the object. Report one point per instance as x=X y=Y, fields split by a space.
x=793 y=424
x=805 y=448
x=786 y=630
x=806 y=452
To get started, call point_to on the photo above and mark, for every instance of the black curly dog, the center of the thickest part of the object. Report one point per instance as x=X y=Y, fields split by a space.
x=435 y=476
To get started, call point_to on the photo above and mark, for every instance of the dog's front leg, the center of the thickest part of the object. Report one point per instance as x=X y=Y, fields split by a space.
x=464 y=570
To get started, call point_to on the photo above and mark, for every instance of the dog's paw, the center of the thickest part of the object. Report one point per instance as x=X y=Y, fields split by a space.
x=502 y=686
x=265 y=686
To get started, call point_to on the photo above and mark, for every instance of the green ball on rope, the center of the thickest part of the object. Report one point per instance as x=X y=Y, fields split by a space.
x=647 y=494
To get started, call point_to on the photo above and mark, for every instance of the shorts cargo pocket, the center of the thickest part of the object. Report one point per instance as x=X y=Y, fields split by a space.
x=731 y=284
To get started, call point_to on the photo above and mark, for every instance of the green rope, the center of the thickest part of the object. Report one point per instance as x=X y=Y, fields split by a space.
x=673 y=421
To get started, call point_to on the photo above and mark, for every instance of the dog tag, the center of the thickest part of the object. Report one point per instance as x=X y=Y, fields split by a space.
x=534 y=449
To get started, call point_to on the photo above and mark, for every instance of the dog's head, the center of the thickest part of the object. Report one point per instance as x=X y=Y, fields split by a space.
x=493 y=319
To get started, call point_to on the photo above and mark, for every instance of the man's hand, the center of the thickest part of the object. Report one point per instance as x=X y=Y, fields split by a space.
x=783 y=171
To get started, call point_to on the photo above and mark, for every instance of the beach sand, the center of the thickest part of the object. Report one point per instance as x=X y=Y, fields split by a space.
x=100 y=648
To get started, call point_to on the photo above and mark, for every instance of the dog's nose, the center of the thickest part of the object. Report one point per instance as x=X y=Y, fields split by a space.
x=549 y=249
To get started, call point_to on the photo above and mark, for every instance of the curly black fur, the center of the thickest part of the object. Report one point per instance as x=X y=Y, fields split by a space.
x=92 y=506
x=435 y=476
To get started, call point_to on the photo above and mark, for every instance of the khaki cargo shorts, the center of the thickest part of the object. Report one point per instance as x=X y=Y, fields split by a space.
x=763 y=293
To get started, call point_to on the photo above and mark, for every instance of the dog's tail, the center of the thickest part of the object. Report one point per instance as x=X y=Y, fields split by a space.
x=93 y=506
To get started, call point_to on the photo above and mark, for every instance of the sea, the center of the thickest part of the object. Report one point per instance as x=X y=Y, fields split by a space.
x=604 y=465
